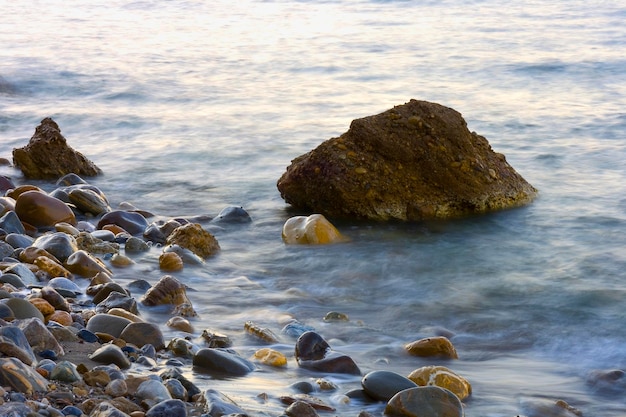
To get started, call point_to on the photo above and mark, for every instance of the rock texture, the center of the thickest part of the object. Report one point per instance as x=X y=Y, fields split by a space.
x=413 y=162
x=48 y=156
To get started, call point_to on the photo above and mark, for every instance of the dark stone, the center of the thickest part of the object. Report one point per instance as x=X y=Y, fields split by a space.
x=217 y=404
x=21 y=377
x=221 y=362
x=173 y=373
x=11 y=223
x=59 y=244
x=311 y=346
x=232 y=214
x=19 y=240
x=382 y=385
x=111 y=354
x=134 y=223
x=168 y=408
x=47 y=155
x=430 y=401
x=413 y=162
x=117 y=300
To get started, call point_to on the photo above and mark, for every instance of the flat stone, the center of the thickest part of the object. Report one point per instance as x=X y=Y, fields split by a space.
x=424 y=402
x=221 y=362
x=382 y=385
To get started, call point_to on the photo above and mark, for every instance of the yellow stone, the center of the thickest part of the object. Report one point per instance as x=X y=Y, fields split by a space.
x=442 y=377
x=120 y=312
x=42 y=305
x=51 y=267
x=438 y=346
x=270 y=357
x=314 y=230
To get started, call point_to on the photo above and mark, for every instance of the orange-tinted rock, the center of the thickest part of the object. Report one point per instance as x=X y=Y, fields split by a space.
x=438 y=346
x=442 y=377
x=48 y=155
x=424 y=402
x=17 y=191
x=193 y=237
x=41 y=210
x=31 y=253
x=51 y=267
x=270 y=357
x=42 y=305
x=314 y=229
x=168 y=290
x=84 y=264
x=170 y=262
x=62 y=317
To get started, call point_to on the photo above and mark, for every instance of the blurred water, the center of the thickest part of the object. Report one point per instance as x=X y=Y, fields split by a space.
x=191 y=106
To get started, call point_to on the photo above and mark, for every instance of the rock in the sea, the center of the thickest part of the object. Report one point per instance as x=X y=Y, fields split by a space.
x=47 y=155
x=170 y=262
x=442 y=377
x=151 y=392
x=193 y=237
x=168 y=408
x=314 y=229
x=270 y=357
x=40 y=210
x=20 y=377
x=412 y=162
x=424 y=402
x=168 y=290
x=232 y=214
x=382 y=385
x=217 y=404
x=438 y=346
x=313 y=352
x=222 y=362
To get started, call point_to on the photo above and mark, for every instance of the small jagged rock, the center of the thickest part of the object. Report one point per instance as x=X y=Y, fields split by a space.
x=48 y=156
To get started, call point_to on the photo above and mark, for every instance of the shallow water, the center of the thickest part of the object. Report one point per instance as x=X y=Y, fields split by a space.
x=189 y=107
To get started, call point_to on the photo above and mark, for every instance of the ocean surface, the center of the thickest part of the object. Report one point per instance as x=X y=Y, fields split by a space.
x=189 y=107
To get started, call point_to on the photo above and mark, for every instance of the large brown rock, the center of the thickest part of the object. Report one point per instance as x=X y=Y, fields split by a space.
x=48 y=156
x=413 y=162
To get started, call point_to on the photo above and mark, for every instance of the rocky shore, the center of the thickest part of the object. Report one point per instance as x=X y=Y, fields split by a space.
x=73 y=341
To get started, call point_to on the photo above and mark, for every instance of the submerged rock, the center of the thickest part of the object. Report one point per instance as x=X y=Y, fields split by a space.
x=47 y=155
x=193 y=237
x=442 y=377
x=412 y=162
x=438 y=346
x=424 y=402
x=314 y=229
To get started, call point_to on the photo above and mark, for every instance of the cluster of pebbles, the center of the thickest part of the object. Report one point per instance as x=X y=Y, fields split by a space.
x=73 y=342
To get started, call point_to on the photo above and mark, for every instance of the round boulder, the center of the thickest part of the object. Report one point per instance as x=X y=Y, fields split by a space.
x=413 y=162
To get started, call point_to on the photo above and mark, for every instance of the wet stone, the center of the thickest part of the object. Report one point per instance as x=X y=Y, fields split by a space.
x=173 y=373
x=59 y=244
x=13 y=343
x=118 y=301
x=90 y=243
x=140 y=334
x=111 y=354
x=107 y=323
x=168 y=290
x=193 y=237
x=312 y=230
x=105 y=290
x=185 y=254
x=438 y=346
x=65 y=371
x=39 y=336
x=231 y=215
x=425 y=402
x=11 y=223
x=65 y=287
x=12 y=279
x=89 y=201
x=168 y=408
x=442 y=377
x=19 y=240
x=333 y=362
x=22 y=309
x=135 y=245
x=382 y=385
x=133 y=223
x=152 y=392
x=176 y=389
x=311 y=346
x=223 y=362
x=21 y=377
x=41 y=210
x=215 y=339
x=217 y=404
x=180 y=323
x=296 y=329
x=301 y=409
x=170 y=262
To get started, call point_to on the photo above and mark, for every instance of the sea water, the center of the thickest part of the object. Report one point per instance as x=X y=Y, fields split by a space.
x=192 y=106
